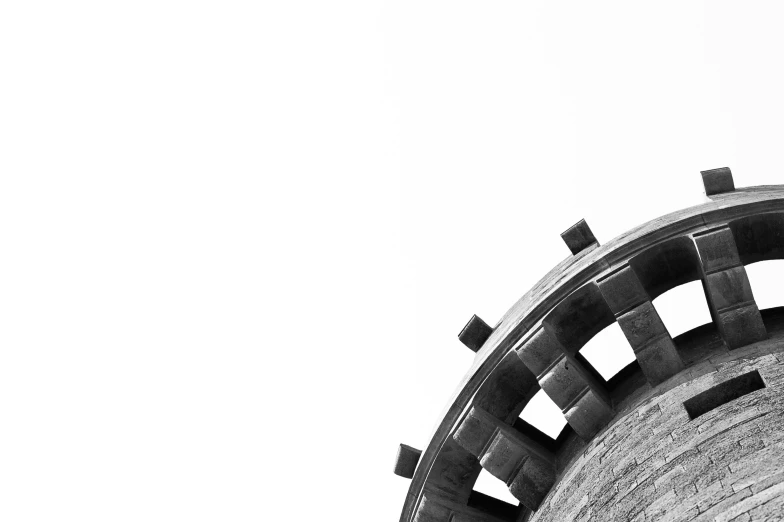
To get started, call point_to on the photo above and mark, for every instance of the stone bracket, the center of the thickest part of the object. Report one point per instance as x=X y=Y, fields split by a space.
x=727 y=288
x=583 y=401
x=527 y=468
x=406 y=461
x=717 y=181
x=641 y=324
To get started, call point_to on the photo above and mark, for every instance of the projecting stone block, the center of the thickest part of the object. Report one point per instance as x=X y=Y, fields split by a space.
x=431 y=510
x=406 y=461
x=532 y=483
x=578 y=237
x=563 y=379
x=640 y=322
x=729 y=288
x=742 y=326
x=475 y=333
x=717 y=181
x=622 y=290
x=510 y=384
x=539 y=351
x=641 y=325
x=659 y=360
x=563 y=383
x=717 y=250
x=504 y=456
x=588 y=415
x=437 y=507
x=475 y=431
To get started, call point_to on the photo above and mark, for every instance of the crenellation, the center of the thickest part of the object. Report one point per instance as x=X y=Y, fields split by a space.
x=632 y=451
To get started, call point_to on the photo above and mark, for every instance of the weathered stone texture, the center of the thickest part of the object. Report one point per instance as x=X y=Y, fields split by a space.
x=727 y=288
x=631 y=451
x=654 y=463
x=640 y=322
x=406 y=461
x=475 y=333
x=579 y=237
x=717 y=181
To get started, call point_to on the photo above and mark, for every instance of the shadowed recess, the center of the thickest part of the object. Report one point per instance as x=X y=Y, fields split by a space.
x=683 y=308
x=759 y=237
x=667 y=265
x=723 y=393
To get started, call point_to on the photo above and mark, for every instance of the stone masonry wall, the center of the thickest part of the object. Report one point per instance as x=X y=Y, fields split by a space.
x=654 y=463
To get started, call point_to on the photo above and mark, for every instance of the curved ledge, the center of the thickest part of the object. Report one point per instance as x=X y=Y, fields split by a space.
x=498 y=361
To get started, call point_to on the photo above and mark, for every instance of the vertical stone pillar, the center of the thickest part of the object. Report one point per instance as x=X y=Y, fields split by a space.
x=582 y=399
x=727 y=288
x=525 y=466
x=640 y=322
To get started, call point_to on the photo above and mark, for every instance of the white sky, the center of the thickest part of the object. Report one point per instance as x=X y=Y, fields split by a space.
x=240 y=238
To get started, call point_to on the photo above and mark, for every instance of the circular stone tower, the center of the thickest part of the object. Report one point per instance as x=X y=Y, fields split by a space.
x=691 y=430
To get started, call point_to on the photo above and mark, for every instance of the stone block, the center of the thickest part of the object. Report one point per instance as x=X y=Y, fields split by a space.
x=503 y=456
x=717 y=249
x=431 y=510
x=622 y=290
x=588 y=415
x=475 y=333
x=742 y=326
x=507 y=387
x=578 y=237
x=641 y=325
x=437 y=507
x=406 y=461
x=563 y=383
x=729 y=287
x=475 y=431
x=659 y=360
x=454 y=470
x=532 y=482
x=717 y=181
x=539 y=351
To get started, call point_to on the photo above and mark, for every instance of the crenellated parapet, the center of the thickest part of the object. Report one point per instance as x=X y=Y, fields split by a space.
x=536 y=346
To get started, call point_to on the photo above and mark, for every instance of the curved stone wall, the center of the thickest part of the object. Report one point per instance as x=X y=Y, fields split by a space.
x=653 y=462
x=688 y=430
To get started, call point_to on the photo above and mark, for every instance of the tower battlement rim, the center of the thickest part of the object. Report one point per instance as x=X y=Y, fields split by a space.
x=566 y=279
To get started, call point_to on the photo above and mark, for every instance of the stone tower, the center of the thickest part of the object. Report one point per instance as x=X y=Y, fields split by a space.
x=691 y=430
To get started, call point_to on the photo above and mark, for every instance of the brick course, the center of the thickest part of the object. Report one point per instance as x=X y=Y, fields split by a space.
x=653 y=463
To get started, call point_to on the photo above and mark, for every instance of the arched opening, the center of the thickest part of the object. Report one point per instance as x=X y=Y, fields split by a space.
x=667 y=266
x=767 y=283
x=759 y=237
x=609 y=351
x=487 y=484
x=683 y=308
x=543 y=414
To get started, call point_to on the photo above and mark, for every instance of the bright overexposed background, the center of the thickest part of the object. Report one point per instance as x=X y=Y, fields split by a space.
x=238 y=239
